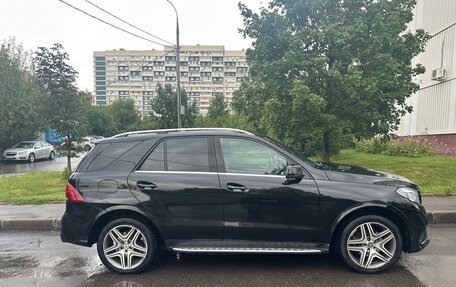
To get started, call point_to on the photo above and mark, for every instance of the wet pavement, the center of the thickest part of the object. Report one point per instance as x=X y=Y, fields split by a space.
x=40 y=259
x=19 y=167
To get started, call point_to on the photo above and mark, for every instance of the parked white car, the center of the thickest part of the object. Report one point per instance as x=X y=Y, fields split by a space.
x=30 y=150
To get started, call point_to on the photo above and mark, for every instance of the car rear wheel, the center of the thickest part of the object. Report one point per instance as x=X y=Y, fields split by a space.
x=126 y=246
x=52 y=155
x=370 y=244
x=31 y=157
x=87 y=147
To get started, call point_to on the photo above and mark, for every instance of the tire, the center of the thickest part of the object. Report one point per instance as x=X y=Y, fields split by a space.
x=87 y=147
x=120 y=238
x=52 y=155
x=375 y=244
x=32 y=157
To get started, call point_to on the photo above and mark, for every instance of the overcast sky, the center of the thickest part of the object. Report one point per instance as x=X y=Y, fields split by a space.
x=44 y=22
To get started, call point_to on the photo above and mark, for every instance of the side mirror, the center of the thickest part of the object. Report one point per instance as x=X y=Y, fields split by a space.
x=294 y=174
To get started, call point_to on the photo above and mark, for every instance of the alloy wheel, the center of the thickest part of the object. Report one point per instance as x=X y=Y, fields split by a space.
x=125 y=247
x=371 y=245
x=32 y=157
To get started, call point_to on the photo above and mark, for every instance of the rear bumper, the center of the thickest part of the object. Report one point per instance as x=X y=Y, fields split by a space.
x=76 y=223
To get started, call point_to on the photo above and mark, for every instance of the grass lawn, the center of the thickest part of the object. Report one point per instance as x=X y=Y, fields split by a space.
x=434 y=174
x=33 y=188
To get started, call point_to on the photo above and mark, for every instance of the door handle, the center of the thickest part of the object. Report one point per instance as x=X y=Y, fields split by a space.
x=236 y=187
x=146 y=185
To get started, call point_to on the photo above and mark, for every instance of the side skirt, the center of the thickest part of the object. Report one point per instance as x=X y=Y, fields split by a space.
x=240 y=246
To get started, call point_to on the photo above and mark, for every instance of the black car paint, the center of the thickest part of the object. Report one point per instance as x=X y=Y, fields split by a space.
x=194 y=206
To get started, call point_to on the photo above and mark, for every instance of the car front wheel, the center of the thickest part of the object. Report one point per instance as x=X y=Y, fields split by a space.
x=370 y=244
x=126 y=246
x=31 y=157
x=52 y=155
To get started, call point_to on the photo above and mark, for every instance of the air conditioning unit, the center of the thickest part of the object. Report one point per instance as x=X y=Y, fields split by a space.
x=439 y=74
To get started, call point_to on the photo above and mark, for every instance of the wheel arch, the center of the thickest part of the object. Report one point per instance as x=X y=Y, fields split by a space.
x=371 y=209
x=117 y=212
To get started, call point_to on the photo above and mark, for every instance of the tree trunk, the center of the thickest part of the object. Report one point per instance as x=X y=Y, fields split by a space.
x=326 y=146
x=69 y=156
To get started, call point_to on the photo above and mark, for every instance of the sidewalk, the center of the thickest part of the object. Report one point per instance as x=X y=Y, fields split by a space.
x=47 y=216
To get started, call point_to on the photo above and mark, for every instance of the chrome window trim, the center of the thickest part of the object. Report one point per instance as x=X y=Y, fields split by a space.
x=207 y=172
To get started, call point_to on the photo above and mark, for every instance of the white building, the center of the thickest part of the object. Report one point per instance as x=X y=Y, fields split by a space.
x=205 y=71
x=434 y=105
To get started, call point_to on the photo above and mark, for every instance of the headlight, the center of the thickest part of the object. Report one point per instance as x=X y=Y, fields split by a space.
x=409 y=193
x=21 y=152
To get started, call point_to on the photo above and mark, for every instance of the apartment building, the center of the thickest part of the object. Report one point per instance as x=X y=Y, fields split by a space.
x=135 y=74
x=434 y=105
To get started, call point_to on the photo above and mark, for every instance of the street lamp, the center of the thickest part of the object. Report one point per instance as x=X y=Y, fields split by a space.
x=179 y=124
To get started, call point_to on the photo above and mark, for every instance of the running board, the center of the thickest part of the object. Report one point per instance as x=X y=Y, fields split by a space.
x=245 y=250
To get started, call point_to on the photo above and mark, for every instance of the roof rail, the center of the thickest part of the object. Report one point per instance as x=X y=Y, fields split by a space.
x=165 y=131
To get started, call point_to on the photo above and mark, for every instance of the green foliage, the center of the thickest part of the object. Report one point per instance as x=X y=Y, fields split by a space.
x=164 y=107
x=408 y=147
x=326 y=71
x=20 y=96
x=62 y=103
x=125 y=116
x=218 y=111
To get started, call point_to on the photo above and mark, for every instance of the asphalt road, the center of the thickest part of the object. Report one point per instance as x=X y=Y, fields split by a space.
x=19 y=167
x=40 y=259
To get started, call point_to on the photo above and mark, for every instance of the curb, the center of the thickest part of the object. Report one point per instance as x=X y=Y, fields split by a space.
x=54 y=224
x=51 y=224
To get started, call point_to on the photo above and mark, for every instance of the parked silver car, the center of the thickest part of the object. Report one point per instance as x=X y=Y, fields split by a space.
x=30 y=150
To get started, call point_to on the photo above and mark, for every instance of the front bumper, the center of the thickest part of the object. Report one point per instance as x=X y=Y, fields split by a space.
x=16 y=157
x=416 y=223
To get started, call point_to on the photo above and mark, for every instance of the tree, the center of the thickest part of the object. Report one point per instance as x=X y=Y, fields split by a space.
x=328 y=70
x=63 y=103
x=217 y=113
x=20 y=96
x=125 y=116
x=164 y=108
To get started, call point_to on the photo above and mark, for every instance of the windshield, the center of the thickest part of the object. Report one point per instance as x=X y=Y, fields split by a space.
x=303 y=158
x=24 y=145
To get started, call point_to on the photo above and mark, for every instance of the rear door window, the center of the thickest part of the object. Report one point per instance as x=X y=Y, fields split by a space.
x=179 y=154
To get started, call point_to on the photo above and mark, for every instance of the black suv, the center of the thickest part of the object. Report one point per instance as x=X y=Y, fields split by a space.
x=227 y=190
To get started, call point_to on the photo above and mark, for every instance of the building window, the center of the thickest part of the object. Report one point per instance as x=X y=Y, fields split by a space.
x=147 y=92
x=170 y=68
x=135 y=73
x=159 y=63
x=100 y=78
x=217 y=79
x=217 y=69
x=147 y=68
x=159 y=73
x=100 y=83
x=170 y=79
x=194 y=58
x=147 y=78
x=193 y=68
x=100 y=58
x=123 y=78
x=184 y=64
x=206 y=64
x=230 y=74
x=123 y=68
x=206 y=74
x=194 y=79
x=230 y=64
x=124 y=93
x=184 y=74
x=100 y=68
x=170 y=58
x=217 y=58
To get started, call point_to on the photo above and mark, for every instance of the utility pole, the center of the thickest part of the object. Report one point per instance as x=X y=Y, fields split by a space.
x=178 y=89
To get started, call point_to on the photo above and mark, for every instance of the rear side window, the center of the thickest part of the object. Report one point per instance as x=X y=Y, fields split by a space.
x=108 y=153
x=182 y=154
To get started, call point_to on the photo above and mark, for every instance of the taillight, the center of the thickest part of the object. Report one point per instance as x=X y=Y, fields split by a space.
x=72 y=194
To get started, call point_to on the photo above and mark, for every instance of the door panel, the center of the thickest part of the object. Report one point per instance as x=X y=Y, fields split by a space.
x=258 y=205
x=179 y=185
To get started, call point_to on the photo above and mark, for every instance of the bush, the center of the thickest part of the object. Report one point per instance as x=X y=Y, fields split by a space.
x=408 y=146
